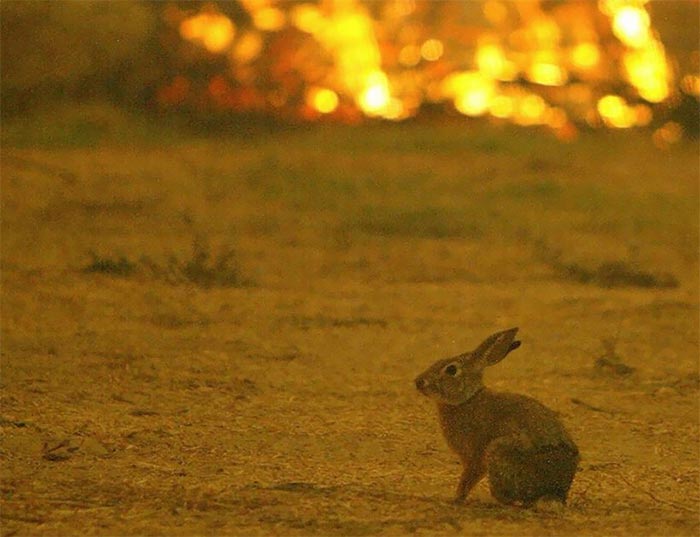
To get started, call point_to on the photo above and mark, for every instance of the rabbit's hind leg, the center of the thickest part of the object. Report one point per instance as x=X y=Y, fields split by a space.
x=519 y=474
x=509 y=479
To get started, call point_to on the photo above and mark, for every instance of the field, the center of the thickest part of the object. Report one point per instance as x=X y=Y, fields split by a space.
x=218 y=333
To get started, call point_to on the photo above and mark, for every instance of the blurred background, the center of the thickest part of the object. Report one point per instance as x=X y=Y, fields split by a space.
x=234 y=232
x=562 y=64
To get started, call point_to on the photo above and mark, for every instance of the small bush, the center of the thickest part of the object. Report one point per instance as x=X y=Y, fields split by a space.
x=207 y=270
x=202 y=268
x=120 y=266
x=618 y=273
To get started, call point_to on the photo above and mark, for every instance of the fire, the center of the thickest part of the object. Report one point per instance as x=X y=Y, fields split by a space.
x=213 y=30
x=491 y=60
x=645 y=63
x=269 y=19
x=385 y=59
x=323 y=100
x=631 y=26
x=410 y=56
x=648 y=70
x=547 y=74
x=307 y=18
x=247 y=48
x=615 y=112
x=432 y=50
x=471 y=91
x=585 y=55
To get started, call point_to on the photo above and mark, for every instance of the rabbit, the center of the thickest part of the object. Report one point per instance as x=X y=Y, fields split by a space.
x=518 y=442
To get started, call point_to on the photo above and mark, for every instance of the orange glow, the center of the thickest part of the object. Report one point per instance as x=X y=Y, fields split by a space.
x=269 y=19
x=631 y=26
x=348 y=35
x=432 y=50
x=322 y=99
x=648 y=71
x=213 y=30
x=585 y=55
x=386 y=58
x=402 y=8
x=502 y=107
x=615 y=112
x=555 y=118
x=544 y=33
x=471 y=92
x=531 y=110
x=691 y=85
x=643 y=115
x=670 y=133
x=247 y=47
x=492 y=61
x=376 y=97
x=307 y=18
x=495 y=12
x=410 y=56
x=547 y=74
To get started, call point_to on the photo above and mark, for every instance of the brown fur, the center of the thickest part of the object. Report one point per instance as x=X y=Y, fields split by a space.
x=517 y=441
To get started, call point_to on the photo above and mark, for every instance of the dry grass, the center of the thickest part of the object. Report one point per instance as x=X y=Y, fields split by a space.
x=134 y=403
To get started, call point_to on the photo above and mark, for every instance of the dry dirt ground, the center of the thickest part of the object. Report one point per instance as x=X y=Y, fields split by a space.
x=220 y=336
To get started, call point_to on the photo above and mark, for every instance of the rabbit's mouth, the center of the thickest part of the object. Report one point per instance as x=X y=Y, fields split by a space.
x=425 y=387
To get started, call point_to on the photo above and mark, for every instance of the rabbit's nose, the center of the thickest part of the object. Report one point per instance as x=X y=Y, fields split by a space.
x=421 y=384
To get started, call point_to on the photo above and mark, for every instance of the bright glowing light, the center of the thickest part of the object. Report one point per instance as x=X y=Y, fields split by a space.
x=269 y=19
x=471 y=91
x=502 y=106
x=495 y=12
x=432 y=50
x=585 y=55
x=648 y=71
x=545 y=33
x=410 y=56
x=322 y=99
x=213 y=30
x=531 y=110
x=492 y=61
x=376 y=96
x=547 y=74
x=306 y=17
x=403 y=8
x=378 y=60
x=247 y=47
x=615 y=112
x=348 y=35
x=631 y=26
x=394 y=109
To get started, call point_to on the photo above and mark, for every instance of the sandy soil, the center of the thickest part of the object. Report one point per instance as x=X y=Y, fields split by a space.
x=138 y=404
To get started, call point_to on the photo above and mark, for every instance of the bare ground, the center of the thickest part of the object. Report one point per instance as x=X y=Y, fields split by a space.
x=275 y=396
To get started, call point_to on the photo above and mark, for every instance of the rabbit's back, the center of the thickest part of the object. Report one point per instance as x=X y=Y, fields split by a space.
x=490 y=415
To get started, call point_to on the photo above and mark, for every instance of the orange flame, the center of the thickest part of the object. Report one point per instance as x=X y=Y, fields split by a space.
x=385 y=59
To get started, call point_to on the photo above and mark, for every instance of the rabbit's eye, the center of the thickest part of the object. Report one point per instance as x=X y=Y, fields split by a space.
x=451 y=370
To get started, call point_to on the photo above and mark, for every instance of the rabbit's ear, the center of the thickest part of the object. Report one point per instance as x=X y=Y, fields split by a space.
x=496 y=347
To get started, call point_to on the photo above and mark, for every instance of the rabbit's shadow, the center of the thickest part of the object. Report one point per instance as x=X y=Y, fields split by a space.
x=422 y=506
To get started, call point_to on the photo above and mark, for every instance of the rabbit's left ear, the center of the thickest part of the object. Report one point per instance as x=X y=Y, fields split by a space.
x=496 y=347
